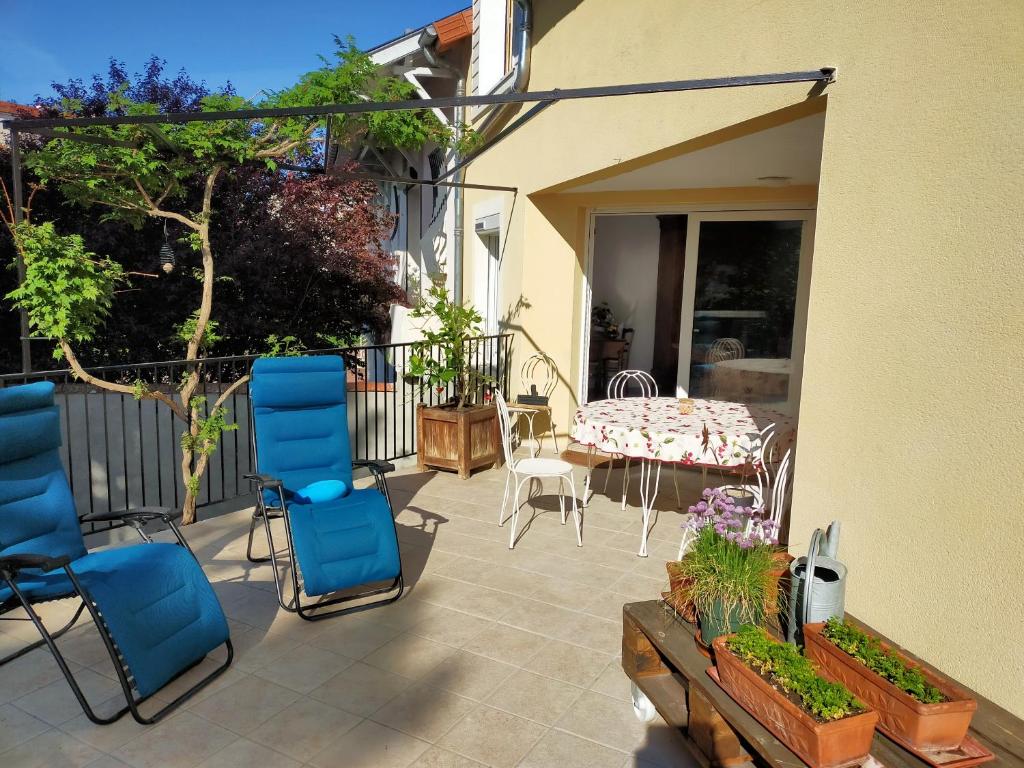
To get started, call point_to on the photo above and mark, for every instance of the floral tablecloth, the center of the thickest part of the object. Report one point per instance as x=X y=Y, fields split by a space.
x=716 y=433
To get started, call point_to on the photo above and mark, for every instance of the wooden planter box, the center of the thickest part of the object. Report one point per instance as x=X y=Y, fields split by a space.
x=901 y=716
x=460 y=440
x=834 y=744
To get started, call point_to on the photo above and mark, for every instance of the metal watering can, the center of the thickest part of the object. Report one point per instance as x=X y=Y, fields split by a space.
x=821 y=596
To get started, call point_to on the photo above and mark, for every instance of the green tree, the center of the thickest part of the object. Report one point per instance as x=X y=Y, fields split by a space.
x=69 y=291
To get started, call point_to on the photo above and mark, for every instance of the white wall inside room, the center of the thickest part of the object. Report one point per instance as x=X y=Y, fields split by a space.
x=625 y=274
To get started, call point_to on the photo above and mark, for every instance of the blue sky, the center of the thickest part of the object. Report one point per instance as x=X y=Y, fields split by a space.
x=255 y=44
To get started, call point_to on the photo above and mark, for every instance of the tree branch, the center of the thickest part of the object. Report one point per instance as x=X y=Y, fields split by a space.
x=110 y=386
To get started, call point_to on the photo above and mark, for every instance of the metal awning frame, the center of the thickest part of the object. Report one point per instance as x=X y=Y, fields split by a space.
x=822 y=77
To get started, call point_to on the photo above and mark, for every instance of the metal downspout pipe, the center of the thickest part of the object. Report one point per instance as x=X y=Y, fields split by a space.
x=428 y=43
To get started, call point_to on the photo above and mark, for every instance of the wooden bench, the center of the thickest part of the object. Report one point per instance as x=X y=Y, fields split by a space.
x=660 y=656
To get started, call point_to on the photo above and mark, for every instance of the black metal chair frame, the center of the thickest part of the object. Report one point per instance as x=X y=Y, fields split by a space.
x=10 y=565
x=262 y=511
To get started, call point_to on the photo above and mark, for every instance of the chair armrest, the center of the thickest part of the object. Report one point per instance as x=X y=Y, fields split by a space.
x=264 y=481
x=377 y=466
x=11 y=564
x=138 y=514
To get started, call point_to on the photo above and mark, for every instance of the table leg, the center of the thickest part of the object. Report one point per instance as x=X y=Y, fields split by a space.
x=591 y=451
x=647 y=497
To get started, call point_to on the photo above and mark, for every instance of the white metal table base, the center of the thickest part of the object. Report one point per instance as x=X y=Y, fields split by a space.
x=647 y=496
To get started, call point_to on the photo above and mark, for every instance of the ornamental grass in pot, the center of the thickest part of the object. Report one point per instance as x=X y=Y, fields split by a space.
x=729 y=574
x=916 y=706
x=819 y=720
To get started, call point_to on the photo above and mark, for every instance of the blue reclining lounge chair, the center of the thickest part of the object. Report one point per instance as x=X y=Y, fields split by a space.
x=339 y=537
x=155 y=611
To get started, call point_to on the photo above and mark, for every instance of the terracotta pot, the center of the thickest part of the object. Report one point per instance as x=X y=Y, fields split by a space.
x=901 y=716
x=676 y=583
x=833 y=744
x=780 y=577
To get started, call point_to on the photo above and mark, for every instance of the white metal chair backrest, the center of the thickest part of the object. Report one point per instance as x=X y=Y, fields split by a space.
x=726 y=349
x=781 y=487
x=622 y=381
x=539 y=370
x=761 y=455
x=505 y=423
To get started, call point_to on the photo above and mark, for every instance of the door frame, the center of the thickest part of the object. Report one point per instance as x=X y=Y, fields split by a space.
x=696 y=213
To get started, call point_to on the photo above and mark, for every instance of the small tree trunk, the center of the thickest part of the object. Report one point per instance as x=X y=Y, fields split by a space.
x=188 y=509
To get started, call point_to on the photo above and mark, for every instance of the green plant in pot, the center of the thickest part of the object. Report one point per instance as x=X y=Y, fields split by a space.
x=729 y=573
x=442 y=357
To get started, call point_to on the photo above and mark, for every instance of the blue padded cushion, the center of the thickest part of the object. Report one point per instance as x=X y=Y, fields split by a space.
x=301 y=422
x=37 y=511
x=37 y=586
x=344 y=543
x=158 y=605
x=321 y=491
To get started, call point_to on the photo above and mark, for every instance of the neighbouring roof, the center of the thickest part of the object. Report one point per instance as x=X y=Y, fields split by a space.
x=20 y=110
x=452 y=29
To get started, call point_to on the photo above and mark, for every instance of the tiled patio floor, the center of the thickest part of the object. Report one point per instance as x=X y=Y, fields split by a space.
x=493 y=657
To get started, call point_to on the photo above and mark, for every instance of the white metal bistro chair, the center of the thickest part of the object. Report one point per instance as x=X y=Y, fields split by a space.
x=721 y=350
x=522 y=470
x=539 y=376
x=623 y=384
x=770 y=477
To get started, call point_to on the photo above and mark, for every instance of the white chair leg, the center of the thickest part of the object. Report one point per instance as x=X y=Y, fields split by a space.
x=515 y=514
x=561 y=498
x=586 y=488
x=504 y=500
x=608 y=473
x=625 y=484
x=675 y=482
x=576 y=512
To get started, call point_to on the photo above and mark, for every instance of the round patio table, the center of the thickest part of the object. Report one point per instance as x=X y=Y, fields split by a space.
x=716 y=433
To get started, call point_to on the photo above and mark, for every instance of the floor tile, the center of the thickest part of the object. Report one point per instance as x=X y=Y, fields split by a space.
x=425 y=712
x=493 y=737
x=361 y=689
x=184 y=739
x=50 y=750
x=56 y=703
x=605 y=720
x=441 y=758
x=255 y=648
x=17 y=726
x=567 y=662
x=469 y=675
x=410 y=656
x=534 y=697
x=247 y=754
x=613 y=682
x=564 y=750
x=303 y=668
x=451 y=627
x=304 y=728
x=355 y=639
x=505 y=643
x=106 y=737
x=243 y=706
x=370 y=745
x=29 y=673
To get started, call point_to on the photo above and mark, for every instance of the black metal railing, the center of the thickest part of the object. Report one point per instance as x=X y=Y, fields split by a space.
x=121 y=452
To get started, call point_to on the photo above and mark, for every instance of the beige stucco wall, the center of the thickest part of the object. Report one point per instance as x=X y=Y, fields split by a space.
x=912 y=411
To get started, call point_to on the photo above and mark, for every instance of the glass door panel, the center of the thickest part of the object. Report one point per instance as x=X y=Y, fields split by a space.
x=744 y=305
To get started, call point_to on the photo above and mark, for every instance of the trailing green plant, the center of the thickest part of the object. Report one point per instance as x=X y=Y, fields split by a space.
x=788 y=670
x=868 y=650
x=170 y=172
x=726 y=565
x=441 y=356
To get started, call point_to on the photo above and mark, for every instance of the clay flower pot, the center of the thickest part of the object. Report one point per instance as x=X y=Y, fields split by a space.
x=674 y=597
x=901 y=716
x=834 y=744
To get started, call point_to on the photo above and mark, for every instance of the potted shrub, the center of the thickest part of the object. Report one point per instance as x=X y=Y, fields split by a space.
x=460 y=434
x=916 y=706
x=730 y=573
x=820 y=720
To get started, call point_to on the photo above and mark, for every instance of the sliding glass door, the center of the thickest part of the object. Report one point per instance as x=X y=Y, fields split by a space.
x=744 y=305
